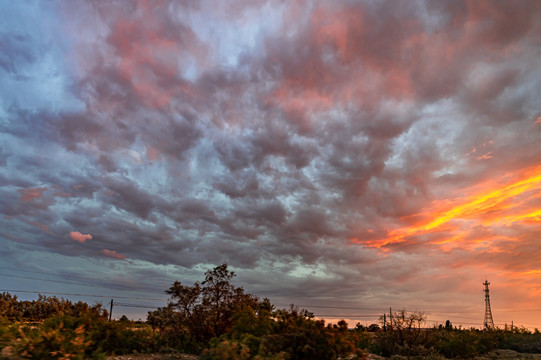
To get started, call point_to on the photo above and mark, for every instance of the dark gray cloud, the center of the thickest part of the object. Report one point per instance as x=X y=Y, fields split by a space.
x=308 y=145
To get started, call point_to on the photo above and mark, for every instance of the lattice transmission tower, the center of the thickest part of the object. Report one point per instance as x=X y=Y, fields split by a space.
x=489 y=322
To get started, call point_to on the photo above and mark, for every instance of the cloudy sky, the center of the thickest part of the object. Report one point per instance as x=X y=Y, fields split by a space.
x=344 y=156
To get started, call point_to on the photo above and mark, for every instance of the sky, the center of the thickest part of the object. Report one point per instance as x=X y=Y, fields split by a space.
x=345 y=156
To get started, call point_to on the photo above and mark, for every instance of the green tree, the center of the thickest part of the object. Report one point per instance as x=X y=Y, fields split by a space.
x=204 y=310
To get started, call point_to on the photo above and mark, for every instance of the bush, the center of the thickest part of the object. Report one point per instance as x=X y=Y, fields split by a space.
x=121 y=338
x=58 y=338
x=68 y=337
x=521 y=341
x=406 y=336
x=45 y=307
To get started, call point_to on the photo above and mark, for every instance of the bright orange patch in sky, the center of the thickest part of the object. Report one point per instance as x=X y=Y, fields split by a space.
x=476 y=206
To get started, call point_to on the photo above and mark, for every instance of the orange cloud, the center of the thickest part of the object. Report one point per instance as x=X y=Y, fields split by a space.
x=113 y=254
x=31 y=193
x=485 y=157
x=77 y=236
x=486 y=207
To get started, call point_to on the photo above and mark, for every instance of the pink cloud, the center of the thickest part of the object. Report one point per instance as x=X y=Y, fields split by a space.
x=152 y=153
x=77 y=236
x=150 y=55
x=31 y=193
x=538 y=121
x=113 y=254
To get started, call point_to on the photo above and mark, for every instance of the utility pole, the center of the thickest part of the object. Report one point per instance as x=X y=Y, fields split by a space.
x=489 y=322
x=390 y=319
x=384 y=321
x=111 y=310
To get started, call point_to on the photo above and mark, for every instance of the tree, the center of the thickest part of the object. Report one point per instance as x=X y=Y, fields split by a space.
x=405 y=335
x=448 y=325
x=204 y=310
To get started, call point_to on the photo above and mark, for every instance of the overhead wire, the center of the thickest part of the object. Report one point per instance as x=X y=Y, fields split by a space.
x=51 y=280
x=135 y=306
x=88 y=295
x=146 y=306
x=51 y=273
x=116 y=282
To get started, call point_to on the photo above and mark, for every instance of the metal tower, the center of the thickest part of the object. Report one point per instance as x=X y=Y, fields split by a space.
x=489 y=322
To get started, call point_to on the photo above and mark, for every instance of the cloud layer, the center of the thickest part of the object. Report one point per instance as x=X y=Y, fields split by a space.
x=364 y=153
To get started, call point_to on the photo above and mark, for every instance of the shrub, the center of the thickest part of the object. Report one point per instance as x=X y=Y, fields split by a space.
x=521 y=341
x=58 y=338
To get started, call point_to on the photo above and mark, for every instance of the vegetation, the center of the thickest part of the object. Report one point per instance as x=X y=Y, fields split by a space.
x=217 y=320
x=45 y=307
x=69 y=337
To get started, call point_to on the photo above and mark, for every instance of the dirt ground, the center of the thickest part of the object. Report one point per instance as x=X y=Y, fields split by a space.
x=154 y=357
x=494 y=355
x=508 y=355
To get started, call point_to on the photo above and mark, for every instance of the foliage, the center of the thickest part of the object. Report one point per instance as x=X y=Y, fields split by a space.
x=521 y=340
x=122 y=337
x=464 y=343
x=57 y=338
x=234 y=325
x=283 y=334
x=45 y=307
x=68 y=337
x=405 y=335
x=204 y=310
x=221 y=322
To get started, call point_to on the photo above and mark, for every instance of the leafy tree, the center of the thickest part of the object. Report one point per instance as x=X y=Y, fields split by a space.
x=235 y=325
x=204 y=310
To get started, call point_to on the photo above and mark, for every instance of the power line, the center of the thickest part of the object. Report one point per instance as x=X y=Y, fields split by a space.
x=349 y=315
x=300 y=305
x=50 y=280
x=135 y=306
x=91 y=279
x=89 y=295
x=28 y=271
x=63 y=282
x=161 y=299
x=107 y=287
x=331 y=307
x=55 y=274
x=146 y=306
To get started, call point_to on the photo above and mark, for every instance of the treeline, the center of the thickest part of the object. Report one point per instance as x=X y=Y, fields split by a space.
x=216 y=320
x=220 y=321
x=45 y=307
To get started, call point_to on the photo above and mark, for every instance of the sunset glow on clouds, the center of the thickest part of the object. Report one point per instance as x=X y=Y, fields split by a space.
x=497 y=206
x=77 y=236
x=113 y=254
x=349 y=154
